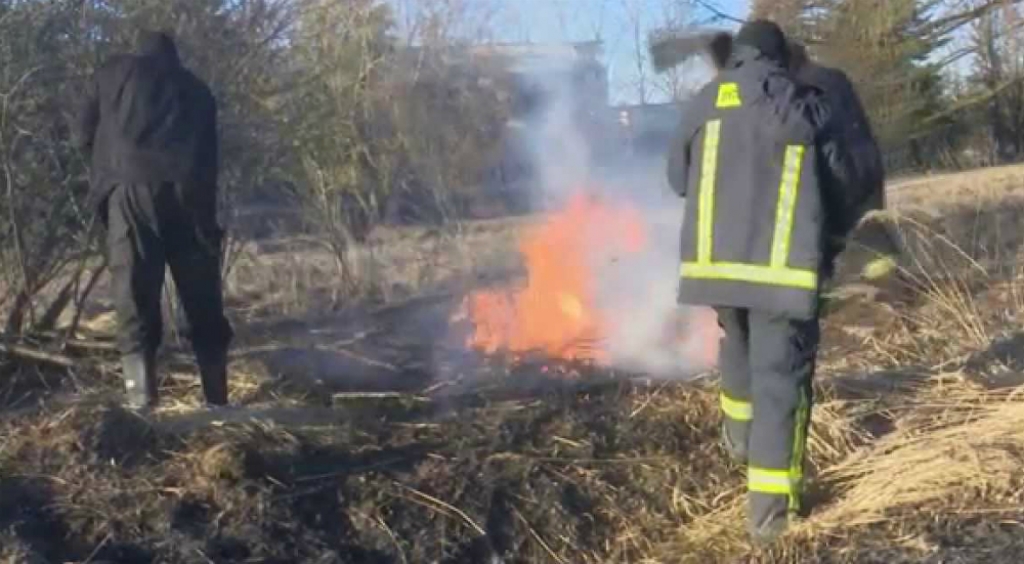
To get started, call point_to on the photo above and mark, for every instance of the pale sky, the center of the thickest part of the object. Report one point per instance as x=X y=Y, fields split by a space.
x=614 y=21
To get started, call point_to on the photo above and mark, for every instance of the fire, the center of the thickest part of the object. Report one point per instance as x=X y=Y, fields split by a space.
x=556 y=310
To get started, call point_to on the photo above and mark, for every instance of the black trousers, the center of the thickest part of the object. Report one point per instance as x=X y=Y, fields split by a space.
x=153 y=226
x=767 y=363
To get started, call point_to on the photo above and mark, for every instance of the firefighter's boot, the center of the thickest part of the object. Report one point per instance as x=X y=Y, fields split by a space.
x=769 y=517
x=140 y=380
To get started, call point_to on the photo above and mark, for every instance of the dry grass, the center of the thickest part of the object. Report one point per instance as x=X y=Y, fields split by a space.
x=294 y=277
x=916 y=447
x=963 y=440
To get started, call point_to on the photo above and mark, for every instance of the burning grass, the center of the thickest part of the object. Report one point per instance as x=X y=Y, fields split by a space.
x=915 y=448
x=556 y=310
x=587 y=294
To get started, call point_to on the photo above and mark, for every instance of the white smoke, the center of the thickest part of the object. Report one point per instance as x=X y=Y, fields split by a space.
x=639 y=289
x=552 y=141
x=636 y=291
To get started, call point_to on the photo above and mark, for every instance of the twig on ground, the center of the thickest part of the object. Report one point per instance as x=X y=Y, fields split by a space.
x=537 y=537
x=99 y=547
x=437 y=504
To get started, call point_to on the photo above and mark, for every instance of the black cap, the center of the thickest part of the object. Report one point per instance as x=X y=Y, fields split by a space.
x=765 y=36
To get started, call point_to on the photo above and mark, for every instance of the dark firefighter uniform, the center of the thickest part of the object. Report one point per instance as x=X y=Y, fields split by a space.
x=150 y=127
x=770 y=190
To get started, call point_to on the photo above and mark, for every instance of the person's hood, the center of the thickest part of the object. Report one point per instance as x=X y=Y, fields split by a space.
x=160 y=47
x=744 y=54
x=798 y=56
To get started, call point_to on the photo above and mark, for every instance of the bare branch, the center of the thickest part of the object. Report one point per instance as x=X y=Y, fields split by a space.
x=718 y=13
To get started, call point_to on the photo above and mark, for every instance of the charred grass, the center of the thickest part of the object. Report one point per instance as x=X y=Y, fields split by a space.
x=916 y=448
x=576 y=476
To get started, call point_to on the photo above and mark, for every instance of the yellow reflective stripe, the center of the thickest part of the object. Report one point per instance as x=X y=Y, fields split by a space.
x=789 y=277
x=786 y=482
x=735 y=409
x=796 y=466
x=763 y=480
x=706 y=203
x=788 y=188
x=728 y=95
x=776 y=273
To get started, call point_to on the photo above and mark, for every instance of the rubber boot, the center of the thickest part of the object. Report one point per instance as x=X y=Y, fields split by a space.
x=140 y=380
x=768 y=518
x=735 y=436
x=213 y=372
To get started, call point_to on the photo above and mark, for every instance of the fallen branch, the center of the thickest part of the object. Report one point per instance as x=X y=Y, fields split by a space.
x=77 y=343
x=91 y=345
x=351 y=396
x=35 y=355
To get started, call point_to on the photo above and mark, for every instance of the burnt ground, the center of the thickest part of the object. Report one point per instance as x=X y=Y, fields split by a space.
x=347 y=448
x=357 y=439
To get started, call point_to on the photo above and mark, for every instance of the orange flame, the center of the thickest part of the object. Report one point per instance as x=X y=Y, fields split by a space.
x=555 y=311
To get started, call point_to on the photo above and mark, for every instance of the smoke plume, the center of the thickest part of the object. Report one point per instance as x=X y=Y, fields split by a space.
x=636 y=291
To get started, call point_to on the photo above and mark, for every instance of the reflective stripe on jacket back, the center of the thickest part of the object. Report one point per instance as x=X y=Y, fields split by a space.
x=753 y=216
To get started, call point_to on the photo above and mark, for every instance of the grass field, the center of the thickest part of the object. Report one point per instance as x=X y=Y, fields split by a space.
x=361 y=437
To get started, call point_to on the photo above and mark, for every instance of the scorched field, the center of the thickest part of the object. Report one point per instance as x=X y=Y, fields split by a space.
x=485 y=415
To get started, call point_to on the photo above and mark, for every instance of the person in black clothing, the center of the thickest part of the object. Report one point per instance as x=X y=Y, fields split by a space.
x=150 y=128
x=772 y=191
x=842 y=96
x=876 y=238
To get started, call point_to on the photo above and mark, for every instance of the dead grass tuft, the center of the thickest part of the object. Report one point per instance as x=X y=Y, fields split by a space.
x=962 y=449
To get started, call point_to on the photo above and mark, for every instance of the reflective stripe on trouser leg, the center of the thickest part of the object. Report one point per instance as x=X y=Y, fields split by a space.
x=788 y=481
x=782 y=353
x=734 y=364
x=737 y=410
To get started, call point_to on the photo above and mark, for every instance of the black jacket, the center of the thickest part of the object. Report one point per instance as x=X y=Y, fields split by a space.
x=769 y=187
x=145 y=118
x=856 y=128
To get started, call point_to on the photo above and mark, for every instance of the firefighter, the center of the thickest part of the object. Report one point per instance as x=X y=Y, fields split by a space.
x=770 y=190
x=150 y=129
